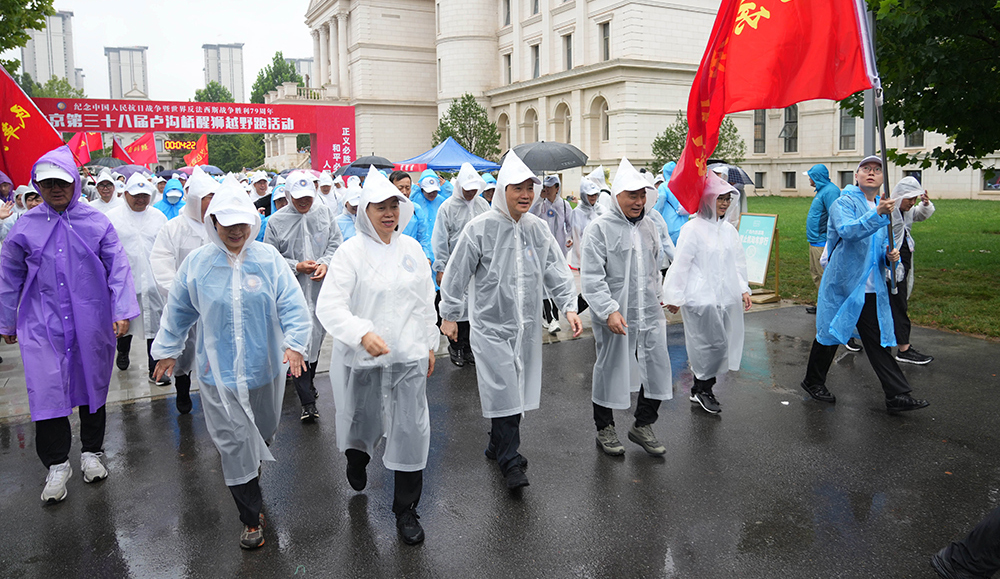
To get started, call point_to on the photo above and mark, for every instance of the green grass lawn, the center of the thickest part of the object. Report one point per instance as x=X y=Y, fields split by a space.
x=956 y=260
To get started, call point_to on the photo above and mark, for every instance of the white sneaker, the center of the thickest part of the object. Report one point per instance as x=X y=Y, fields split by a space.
x=55 y=483
x=92 y=467
x=554 y=327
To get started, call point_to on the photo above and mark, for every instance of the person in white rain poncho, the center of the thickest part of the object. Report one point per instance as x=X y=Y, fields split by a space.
x=306 y=234
x=585 y=212
x=708 y=283
x=175 y=241
x=252 y=321
x=137 y=224
x=346 y=219
x=597 y=178
x=378 y=301
x=454 y=214
x=555 y=211
x=912 y=204
x=506 y=257
x=107 y=198
x=620 y=276
x=329 y=194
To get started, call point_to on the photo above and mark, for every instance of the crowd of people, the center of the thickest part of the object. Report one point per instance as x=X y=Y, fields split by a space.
x=235 y=282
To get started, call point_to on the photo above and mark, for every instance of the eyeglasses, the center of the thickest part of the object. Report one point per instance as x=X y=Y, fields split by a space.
x=54 y=184
x=873 y=169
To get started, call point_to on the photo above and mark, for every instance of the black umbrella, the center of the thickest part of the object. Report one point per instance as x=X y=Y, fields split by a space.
x=106 y=162
x=736 y=176
x=351 y=170
x=550 y=156
x=369 y=160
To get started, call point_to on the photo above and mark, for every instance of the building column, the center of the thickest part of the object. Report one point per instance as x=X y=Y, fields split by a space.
x=543 y=118
x=324 y=68
x=576 y=121
x=334 y=54
x=345 y=84
x=314 y=72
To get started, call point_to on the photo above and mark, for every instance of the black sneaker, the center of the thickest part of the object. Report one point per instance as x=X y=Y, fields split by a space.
x=515 y=477
x=253 y=537
x=707 y=401
x=309 y=413
x=183 y=401
x=853 y=345
x=469 y=357
x=904 y=403
x=457 y=358
x=818 y=392
x=357 y=474
x=811 y=310
x=409 y=528
x=122 y=361
x=912 y=356
x=941 y=563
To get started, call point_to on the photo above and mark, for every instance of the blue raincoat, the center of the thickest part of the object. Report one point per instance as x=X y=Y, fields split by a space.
x=668 y=205
x=856 y=241
x=346 y=223
x=169 y=209
x=430 y=207
x=819 y=211
x=418 y=229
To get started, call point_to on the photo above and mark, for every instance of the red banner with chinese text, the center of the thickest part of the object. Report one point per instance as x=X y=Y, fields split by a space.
x=143 y=150
x=769 y=54
x=25 y=134
x=198 y=156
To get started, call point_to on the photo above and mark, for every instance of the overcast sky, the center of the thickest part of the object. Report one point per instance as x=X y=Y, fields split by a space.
x=174 y=31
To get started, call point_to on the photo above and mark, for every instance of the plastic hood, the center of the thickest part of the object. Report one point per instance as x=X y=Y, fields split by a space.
x=378 y=188
x=230 y=197
x=627 y=178
x=512 y=172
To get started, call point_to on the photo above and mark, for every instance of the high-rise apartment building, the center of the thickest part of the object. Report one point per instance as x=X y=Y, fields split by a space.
x=224 y=65
x=49 y=52
x=127 y=71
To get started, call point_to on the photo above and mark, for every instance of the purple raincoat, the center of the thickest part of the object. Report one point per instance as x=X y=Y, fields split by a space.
x=64 y=281
x=10 y=194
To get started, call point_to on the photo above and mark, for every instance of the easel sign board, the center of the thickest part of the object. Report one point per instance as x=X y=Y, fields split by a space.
x=757 y=235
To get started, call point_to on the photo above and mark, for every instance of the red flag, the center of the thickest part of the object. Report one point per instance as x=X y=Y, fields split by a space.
x=199 y=156
x=769 y=54
x=81 y=151
x=94 y=142
x=25 y=134
x=117 y=152
x=143 y=150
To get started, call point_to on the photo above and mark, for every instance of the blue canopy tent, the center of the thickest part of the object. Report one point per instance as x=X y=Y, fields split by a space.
x=448 y=156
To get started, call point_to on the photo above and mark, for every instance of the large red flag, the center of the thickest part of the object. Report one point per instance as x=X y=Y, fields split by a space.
x=143 y=150
x=26 y=134
x=117 y=152
x=94 y=142
x=199 y=156
x=769 y=54
x=80 y=148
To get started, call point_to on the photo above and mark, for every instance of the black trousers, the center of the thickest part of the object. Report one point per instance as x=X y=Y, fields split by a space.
x=703 y=385
x=182 y=382
x=462 y=343
x=898 y=302
x=978 y=554
x=249 y=501
x=885 y=366
x=645 y=412
x=53 y=437
x=581 y=304
x=408 y=485
x=549 y=311
x=505 y=440
x=124 y=345
x=304 y=385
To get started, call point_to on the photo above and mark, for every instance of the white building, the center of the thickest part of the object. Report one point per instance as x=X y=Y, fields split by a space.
x=604 y=75
x=224 y=65
x=127 y=71
x=303 y=67
x=49 y=52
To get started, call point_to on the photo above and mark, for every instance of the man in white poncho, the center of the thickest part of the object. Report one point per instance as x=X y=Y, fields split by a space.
x=137 y=224
x=107 y=198
x=620 y=275
x=378 y=301
x=708 y=283
x=509 y=257
x=252 y=322
x=307 y=235
x=453 y=215
x=175 y=241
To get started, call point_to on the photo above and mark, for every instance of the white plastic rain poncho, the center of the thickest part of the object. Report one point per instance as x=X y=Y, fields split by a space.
x=249 y=310
x=116 y=201
x=667 y=248
x=908 y=188
x=508 y=263
x=597 y=178
x=313 y=235
x=176 y=240
x=335 y=198
x=620 y=273
x=556 y=214
x=455 y=213
x=386 y=289
x=707 y=280
x=582 y=215
x=137 y=232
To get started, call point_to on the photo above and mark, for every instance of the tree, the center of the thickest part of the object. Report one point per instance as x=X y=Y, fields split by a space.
x=467 y=122
x=16 y=19
x=271 y=76
x=938 y=65
x=667 y=146
x=27 y=84
x=229 y=152
x=57 y=88
x=213 y=93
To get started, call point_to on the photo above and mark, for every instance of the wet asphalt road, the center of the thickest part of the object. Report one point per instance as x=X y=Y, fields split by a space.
x=776 y=486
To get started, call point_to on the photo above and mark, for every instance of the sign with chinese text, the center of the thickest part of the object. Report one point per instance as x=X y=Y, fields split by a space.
x=757 y=235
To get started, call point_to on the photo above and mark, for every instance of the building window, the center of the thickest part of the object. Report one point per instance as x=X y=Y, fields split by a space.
x=439 y=75
x=789 y=177
x=606 y=41
x=605 y=123
x=503 y=126
x=534 y=6
x=914 y=139
x=437 y=12
x=568 y=49
x=790 y=132
x=848 y=131
x=506 y=69
x=846 y=178
x=536 y=61
x=991 y=183
x=915 y=173
x=759 y=180
x=759 y=131
x=506 y=12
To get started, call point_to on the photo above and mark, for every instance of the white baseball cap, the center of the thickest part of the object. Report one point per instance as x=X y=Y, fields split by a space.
x=47 y=170
x=299 y=185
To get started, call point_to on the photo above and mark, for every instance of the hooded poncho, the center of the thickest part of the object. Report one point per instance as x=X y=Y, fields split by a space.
x=455 y=212
x=64 y=281
x=819 y=209
x=170 y=208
